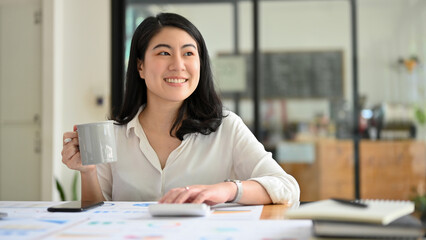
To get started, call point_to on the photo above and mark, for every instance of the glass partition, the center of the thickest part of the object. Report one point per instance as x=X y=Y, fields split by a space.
x=392 y=51
x=306 y=103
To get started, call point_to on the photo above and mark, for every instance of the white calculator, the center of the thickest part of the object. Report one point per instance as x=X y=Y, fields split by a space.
x=179 y=210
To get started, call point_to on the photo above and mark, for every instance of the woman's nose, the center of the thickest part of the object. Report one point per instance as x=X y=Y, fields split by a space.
x=177 y=63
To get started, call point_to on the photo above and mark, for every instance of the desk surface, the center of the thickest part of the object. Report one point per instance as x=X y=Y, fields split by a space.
x=124 y=220
x=273 y=212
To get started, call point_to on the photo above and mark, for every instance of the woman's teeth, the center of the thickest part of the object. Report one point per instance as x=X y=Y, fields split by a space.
x=175 y=80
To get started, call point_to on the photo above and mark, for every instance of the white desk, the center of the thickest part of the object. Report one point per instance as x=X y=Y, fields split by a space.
x=131 y=220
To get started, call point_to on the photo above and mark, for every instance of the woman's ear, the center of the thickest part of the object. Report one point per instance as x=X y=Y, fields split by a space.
x=140 y=69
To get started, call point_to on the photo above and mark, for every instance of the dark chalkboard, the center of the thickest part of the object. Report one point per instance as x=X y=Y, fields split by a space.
x=305 y=74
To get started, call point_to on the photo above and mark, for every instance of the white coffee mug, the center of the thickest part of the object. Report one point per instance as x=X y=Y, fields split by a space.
x=97 y=142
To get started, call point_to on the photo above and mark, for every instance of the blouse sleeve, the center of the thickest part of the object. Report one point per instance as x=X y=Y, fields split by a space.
x=105 y=180
x=253 y=162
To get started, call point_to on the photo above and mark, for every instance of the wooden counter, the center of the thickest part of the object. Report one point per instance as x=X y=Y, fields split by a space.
x=388 y=170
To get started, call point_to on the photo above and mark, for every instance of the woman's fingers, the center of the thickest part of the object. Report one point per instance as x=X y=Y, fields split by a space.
x=74 y=162
x=174 y=194
x=201 y=197
x=67 y=154
x=69 y=137
x=210 y=194
x=70 y=151
x=185 y=195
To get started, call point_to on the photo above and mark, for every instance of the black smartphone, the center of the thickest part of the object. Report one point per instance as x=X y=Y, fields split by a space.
x=74 y=206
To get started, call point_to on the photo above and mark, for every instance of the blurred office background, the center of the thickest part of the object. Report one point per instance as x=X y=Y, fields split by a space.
x=338 y=94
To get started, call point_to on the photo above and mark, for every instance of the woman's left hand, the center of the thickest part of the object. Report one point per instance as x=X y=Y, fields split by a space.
x=209 y=194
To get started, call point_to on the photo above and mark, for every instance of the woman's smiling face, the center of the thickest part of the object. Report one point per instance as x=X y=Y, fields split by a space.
x=171 y=68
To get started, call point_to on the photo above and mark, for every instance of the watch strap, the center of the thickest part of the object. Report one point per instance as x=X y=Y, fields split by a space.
x=239 y=190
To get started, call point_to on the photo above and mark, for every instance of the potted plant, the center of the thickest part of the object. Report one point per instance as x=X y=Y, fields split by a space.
x=61 y=191
x=420 y=203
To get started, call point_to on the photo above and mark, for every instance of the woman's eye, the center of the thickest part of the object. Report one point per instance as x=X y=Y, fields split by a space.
x=164 y=53
x=189 y=54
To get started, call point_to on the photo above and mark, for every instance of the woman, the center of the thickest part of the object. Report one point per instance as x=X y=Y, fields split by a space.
x=176 y=143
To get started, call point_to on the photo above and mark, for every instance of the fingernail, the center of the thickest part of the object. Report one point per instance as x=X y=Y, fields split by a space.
x=67 y=140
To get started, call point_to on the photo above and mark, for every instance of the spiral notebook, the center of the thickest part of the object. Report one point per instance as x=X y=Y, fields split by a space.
x=377 y=211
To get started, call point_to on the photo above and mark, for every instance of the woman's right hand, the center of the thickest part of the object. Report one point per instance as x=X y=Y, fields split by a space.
x=71 y=153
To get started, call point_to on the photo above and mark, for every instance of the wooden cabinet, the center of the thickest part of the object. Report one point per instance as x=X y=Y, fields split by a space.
x=388 y=170
x=392 y=169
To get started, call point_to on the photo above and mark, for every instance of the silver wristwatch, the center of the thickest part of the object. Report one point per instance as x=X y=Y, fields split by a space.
x=239 y=190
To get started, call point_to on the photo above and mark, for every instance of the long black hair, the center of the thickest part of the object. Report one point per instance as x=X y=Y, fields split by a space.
x=202 y=110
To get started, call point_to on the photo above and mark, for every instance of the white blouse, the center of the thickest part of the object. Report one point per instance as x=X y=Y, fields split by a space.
x=232 y=152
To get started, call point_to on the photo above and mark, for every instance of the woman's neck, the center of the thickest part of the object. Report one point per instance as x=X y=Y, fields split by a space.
x=159 y=117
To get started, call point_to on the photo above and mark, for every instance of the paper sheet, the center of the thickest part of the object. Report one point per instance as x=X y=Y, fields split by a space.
x=236 y=212
x=34 y=228
x=187 y=229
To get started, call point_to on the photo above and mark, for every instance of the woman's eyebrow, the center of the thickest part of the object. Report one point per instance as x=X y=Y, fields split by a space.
x=168 y=46
x=162 y=45
x=189 y=45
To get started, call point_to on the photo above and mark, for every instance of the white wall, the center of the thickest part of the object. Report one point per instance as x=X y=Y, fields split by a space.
x=77 y=70
x=389 y=30
x=48 y=101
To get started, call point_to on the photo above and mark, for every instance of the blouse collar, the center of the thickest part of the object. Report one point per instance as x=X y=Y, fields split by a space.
x=134 y=122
